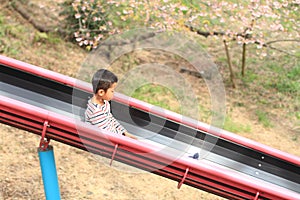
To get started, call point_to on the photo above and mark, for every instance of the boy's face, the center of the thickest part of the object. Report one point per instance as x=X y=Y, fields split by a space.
x=109 y=94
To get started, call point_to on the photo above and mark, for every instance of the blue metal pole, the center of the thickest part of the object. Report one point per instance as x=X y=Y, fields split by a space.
x=49 y=174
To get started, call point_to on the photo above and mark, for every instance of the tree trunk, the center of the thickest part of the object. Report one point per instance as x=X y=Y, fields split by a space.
x=232 y=77
x=244 y=60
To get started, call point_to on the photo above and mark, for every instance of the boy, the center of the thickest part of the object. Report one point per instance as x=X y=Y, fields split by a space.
x=98 y=108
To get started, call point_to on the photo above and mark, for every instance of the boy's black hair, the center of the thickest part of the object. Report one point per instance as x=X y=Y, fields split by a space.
x=103 y=79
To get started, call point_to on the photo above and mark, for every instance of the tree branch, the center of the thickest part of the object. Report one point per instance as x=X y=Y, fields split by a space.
x=216 y=33
x=282 y=40
x=283 y=51
x=246 y=36
x=204 y=33
x=267 y=45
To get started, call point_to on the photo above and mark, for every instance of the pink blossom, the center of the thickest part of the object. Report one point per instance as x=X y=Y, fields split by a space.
x=260 y=45
x=231 y=18
x=98 y=37
x=183 y=8
x=77 y=15
x=277 y=27
x=277 y=5
x=79 y=39
x=256 y=14
x=95 y=19
x=285 y=4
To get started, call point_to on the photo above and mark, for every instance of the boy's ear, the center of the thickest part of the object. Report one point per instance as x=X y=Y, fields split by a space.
x=101 y=92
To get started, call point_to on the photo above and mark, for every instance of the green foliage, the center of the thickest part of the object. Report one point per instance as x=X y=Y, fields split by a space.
x=205 y=113
x=250 y=77
x=275 y=66
x=157 y=95
x=50 y=38
x=9 y=30
x=295 y=137
x=285 y=80
x=234 y=127
x=40 y=36
x=287 y=86
x=2 y=27
x=297 y=114
x=294 y=73
x=263 y=118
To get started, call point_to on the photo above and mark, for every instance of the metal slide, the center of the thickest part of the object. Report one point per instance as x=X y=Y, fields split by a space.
x=228 y=165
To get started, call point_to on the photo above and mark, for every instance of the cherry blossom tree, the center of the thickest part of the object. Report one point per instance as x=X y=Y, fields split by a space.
x=92 y=20
x=254 y=22
x=244 y=22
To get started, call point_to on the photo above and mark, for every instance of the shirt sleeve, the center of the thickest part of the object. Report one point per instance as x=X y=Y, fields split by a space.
x=118 y=128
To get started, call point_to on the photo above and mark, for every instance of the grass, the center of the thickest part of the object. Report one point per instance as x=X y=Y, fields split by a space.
x=297 y=114
x=285 y=76
x=205 y=114
x=6 y=30
x=287 y=86
x=15 y=35
x=250 y=77
x=295 y=138
x=263 y=118
x=235 y=127
x=157 y=95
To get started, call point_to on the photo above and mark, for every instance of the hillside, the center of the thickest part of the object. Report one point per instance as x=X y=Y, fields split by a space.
x=253 y=111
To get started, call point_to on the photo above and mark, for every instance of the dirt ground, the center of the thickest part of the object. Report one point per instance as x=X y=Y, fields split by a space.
x=81 y=174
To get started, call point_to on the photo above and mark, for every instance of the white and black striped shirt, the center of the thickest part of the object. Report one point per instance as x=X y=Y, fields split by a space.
x=101 y=116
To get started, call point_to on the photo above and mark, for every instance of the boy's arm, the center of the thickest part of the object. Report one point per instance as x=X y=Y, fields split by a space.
x=130 y=135
x=120 y=129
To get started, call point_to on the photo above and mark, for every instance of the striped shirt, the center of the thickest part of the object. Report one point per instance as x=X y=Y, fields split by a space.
x=101 y=116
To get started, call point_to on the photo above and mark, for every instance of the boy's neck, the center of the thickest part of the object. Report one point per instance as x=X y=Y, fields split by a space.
x=97 y=100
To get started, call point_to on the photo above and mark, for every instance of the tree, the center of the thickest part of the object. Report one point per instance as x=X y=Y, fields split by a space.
x=247 y=23
x=243 y=22
x=92 y=20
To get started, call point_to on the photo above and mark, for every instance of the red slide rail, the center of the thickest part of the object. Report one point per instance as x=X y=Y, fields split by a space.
x=200 y=174
x=147 y=107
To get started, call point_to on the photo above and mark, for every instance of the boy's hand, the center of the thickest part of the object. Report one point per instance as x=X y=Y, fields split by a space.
x=129 y=135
